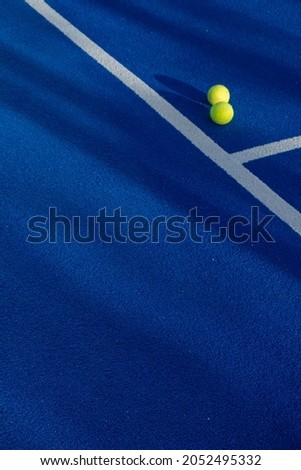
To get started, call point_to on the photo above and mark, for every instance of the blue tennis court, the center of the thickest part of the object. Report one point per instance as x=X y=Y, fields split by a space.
x=141 y=343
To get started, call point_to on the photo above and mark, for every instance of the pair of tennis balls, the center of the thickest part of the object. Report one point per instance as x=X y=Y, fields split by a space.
x=221 y=111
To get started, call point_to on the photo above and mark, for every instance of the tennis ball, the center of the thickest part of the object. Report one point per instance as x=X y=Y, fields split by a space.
x=218 y=93
x=221 y=113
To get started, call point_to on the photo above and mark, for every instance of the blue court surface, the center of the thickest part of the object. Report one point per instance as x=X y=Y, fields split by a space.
x=183 y=345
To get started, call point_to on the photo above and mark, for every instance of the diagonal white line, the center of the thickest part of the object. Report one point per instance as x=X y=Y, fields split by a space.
x=145 y=92
x=196 y=136
x=267 y=150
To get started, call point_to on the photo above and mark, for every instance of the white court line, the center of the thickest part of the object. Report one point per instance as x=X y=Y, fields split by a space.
x=196 y=136
x=267 y=150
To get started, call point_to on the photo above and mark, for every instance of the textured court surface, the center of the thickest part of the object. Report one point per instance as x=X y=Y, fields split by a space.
x=150 y=346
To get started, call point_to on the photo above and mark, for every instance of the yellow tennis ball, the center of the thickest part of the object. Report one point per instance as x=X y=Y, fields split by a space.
x=218 y=93
x=221 y=113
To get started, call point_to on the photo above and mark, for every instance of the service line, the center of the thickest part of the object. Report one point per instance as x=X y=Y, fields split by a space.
x=267 y=150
